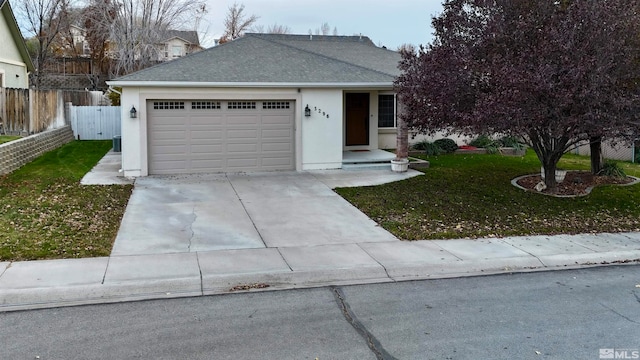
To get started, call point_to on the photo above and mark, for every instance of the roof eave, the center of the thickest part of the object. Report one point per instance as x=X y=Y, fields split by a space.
x=198 y=84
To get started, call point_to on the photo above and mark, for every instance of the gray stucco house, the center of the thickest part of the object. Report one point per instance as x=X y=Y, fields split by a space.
x=261 y=102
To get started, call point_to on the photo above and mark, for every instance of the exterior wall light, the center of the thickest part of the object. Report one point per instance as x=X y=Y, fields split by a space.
x=133 y=113
x=307 y=111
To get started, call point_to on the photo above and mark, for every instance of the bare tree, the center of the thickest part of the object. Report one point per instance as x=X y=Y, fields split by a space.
x=278 y=29
x=408 y=48
x=272 y=29
x=236 y=23
x=138 y=27
x=97 y=17
x=324 y=29
x=43 y=19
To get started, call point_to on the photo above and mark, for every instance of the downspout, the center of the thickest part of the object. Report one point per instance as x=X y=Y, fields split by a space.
x=111 y=88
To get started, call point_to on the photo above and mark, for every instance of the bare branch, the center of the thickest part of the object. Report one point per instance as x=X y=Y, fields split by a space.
x=236 y=22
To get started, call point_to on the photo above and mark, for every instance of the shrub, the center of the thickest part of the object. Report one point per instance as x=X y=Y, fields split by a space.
x=420 y=145
x=487 y=143
x=611 y=168
x=482 y=141
x=431 y=149
x=510 y=141
x=428 y=147
x=446 y=145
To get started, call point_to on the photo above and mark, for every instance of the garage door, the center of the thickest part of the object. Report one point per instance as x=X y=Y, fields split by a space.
x=202 y=136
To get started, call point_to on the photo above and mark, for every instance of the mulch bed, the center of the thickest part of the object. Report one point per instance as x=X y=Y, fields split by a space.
x=575 y=183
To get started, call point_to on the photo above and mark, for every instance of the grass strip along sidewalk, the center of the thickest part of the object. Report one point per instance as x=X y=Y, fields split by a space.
x=46 y=214
x=471 y=196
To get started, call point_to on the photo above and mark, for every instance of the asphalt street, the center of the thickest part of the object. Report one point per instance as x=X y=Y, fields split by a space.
x=548 y=315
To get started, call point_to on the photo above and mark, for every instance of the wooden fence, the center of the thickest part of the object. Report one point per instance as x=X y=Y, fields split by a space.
x=28 y=111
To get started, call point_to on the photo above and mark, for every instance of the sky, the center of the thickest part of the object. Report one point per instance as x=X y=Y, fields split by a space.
x=389 y=23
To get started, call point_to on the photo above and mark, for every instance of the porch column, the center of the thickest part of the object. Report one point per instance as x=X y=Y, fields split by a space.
x=401 y=162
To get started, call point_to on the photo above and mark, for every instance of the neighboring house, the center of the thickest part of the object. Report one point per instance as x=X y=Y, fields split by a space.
x=261 y=102
x=79 y=39
x=177 y=43
x=15 y=63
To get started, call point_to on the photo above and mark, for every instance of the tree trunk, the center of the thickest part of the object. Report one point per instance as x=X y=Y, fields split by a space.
x=595 y=145
x=550 y=174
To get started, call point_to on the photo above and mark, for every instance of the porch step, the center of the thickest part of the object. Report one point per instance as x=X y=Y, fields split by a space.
x=367 y=166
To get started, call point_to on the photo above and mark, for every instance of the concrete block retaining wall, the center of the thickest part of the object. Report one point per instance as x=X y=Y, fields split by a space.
x=16 y=153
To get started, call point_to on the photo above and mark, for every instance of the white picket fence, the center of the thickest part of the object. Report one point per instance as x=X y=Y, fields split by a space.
x=95 y=122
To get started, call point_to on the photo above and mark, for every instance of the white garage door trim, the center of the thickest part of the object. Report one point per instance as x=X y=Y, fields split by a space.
x=204 y=136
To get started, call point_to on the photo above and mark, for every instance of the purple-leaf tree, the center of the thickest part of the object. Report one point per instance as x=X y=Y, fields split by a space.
x=554 y=73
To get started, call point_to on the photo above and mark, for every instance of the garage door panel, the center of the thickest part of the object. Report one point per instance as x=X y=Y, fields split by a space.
x=178 y=134
x=213 y=121
x=285 y=120
x=285 y=148
x=243 y=120
x=212 y=150
x=275 y=162
x=219 y=139
x=242 y=148
x=240 y=163
x=251 y=134
x=208 y=164
x=207 y=135
x=276 y=134
x=169 y=149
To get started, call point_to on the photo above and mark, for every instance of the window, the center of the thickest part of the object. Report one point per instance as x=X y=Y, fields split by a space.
x=168 y=105
x=198 y=105
x=276 y=105
x=386 y=111
x=176 y=51
x=241 y=105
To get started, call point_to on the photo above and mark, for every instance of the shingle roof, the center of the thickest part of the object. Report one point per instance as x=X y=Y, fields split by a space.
x=188 y=36
x=270 y=58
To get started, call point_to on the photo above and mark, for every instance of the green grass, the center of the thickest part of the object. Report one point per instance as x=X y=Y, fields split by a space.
x=46 y=214
x=7 y=138
x=471 y=196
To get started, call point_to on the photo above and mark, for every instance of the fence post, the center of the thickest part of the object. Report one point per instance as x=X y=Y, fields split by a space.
x=30 y=114
x=67 y=112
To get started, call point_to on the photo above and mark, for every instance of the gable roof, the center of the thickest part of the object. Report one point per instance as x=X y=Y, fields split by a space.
x=190 y=37
x=7 y=12
x=272 y=59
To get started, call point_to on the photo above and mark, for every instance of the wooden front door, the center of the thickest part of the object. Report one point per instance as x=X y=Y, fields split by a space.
x=357 y=119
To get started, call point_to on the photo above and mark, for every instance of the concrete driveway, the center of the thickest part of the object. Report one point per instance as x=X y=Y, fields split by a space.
x=173 y=214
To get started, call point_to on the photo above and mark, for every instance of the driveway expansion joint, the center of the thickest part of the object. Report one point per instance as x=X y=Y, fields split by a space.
x=245 y=210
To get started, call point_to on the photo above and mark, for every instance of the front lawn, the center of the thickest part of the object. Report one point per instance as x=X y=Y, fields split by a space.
x=471 y=196
x=7 y=138
x=46 y=214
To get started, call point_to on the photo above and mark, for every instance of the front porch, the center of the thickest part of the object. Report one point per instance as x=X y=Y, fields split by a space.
x=367 y=159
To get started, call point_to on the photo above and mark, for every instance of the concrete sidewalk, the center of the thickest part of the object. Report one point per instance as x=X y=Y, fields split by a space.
x=52 y=283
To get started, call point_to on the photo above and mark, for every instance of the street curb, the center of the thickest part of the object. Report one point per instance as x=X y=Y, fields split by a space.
x=91 y=294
